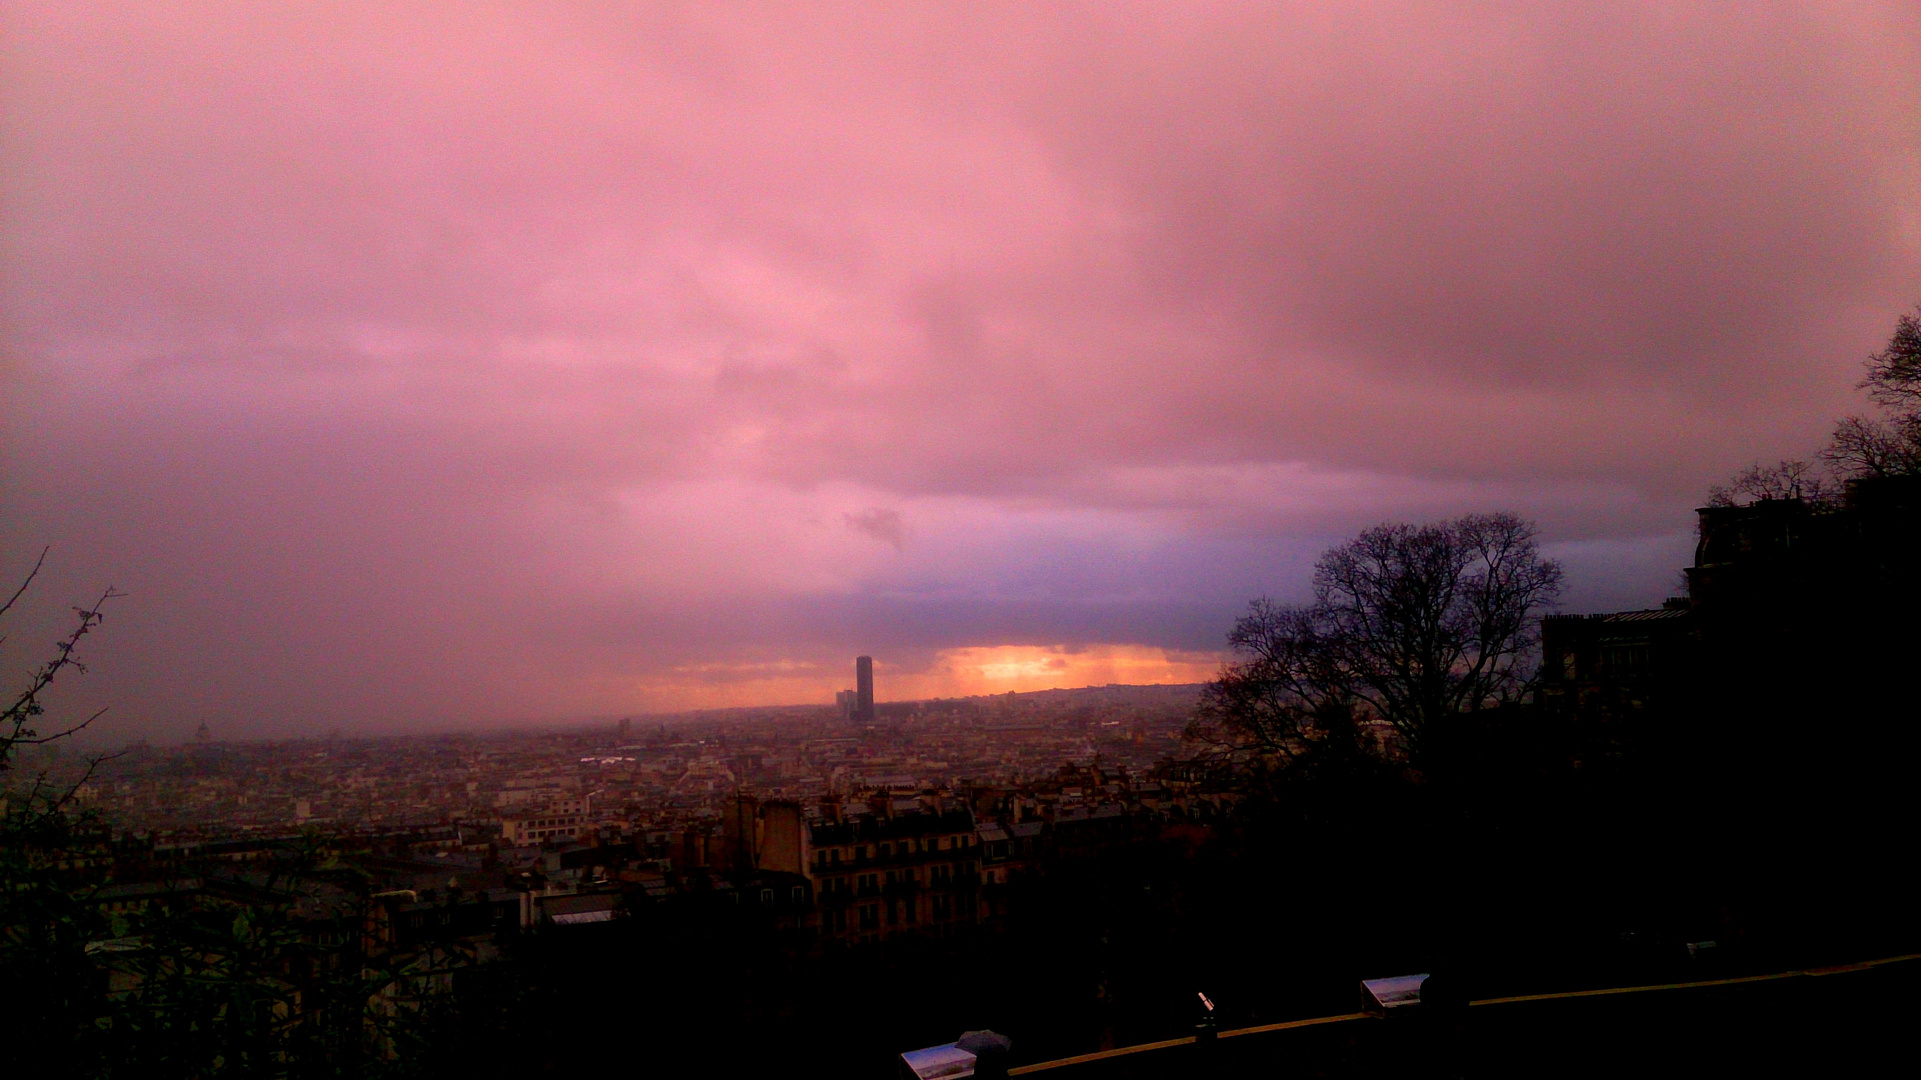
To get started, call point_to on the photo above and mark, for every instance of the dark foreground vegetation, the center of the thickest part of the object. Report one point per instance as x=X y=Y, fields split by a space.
x=1721 y=786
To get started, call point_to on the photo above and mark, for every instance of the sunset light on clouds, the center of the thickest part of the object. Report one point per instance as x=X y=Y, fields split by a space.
x=431 y=364
x=996 y=669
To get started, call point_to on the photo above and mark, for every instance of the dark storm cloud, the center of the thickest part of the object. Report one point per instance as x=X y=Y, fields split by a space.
x=447 y=363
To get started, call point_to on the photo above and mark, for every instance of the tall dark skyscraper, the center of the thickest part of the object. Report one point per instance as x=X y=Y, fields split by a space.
x=864 y=689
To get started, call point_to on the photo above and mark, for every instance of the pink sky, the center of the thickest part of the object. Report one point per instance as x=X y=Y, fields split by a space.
x=446 y=364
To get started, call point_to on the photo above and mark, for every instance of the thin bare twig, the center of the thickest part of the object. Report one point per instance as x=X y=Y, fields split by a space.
x=31 y=574
x=14 y=720
x=42 y=740
x=93 y=765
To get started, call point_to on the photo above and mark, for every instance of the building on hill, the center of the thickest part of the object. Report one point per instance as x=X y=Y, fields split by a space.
x=1604 y=671
x=1797 y=614
x=1778 y=558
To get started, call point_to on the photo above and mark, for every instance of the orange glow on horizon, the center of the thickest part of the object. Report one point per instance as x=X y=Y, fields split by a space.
x=963 y=672
x=998 y=669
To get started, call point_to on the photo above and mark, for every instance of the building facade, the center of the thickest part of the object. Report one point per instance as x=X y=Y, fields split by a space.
x=881 y=875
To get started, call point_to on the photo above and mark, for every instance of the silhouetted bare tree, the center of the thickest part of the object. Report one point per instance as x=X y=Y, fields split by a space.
x=17 y=719
x=1409 y=625
x=1860 y=446
x=1789 y=478
x=1894 y=373
x=189 y=990
x=1289 y=693
x=1889 y=445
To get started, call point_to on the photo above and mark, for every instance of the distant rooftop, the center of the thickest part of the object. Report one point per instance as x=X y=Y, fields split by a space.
x=1646 y=615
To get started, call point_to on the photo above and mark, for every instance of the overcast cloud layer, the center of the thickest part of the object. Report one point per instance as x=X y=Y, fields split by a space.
x=465 y=363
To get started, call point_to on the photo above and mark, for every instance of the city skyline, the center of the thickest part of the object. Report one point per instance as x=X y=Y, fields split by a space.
x=851 y=539
x=433 y=366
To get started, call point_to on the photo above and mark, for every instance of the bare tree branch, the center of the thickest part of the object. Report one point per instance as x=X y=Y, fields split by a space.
x=1863 y=446
x=42 y=740
x=17 y=718
x=1894 y=373
x=93 y=765
x=1789 y=478
x=27 y=581
x=1409 y=625
x=1860 y=446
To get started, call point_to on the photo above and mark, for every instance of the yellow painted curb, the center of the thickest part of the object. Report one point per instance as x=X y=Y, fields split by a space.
x=1285 y=1025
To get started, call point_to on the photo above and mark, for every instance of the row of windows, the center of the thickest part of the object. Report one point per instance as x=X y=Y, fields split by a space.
x=1616 y=661
x=868 y=917
x=864 y=852
x=937 y=876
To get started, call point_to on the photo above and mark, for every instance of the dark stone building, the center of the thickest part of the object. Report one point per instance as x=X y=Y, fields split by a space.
x=1604 y=671
x=1765 y=726
x=1795 y=612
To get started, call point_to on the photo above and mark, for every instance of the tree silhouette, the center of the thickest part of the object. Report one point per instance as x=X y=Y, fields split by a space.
x=18 y=717
x=1860 y=446
x=1409 y=626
